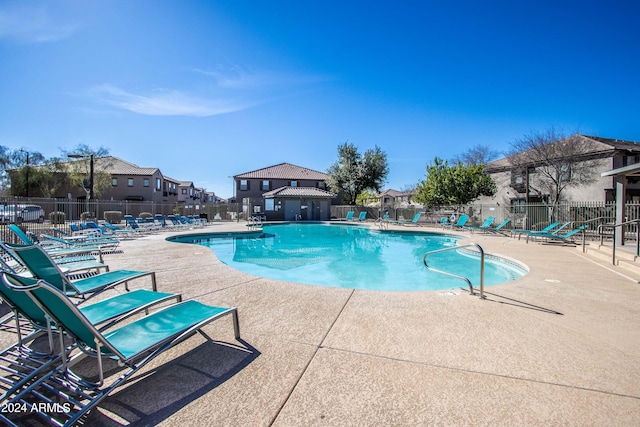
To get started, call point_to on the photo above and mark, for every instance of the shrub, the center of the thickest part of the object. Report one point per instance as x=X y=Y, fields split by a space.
x=57 y=217
x=145 y=215
x=113 y=217
x=87 y=216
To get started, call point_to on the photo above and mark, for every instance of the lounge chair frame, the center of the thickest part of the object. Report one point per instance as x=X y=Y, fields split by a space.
x=42 y=266
x=72 y=388
x=29 y=363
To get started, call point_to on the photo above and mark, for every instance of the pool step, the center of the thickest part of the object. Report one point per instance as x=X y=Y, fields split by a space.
x=625 y=257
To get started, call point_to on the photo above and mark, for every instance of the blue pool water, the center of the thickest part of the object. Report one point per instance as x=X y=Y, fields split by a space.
x=349 y=256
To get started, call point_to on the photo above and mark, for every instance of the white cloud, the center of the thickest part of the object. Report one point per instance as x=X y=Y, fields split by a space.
x=236 y=77
x=163 y=102
x=31 y=24
x=230 y=90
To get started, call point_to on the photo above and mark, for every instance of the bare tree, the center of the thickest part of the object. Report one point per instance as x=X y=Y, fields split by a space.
x=550 y=162
x=476 y=155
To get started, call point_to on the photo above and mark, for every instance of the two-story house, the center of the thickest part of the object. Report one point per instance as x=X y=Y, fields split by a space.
x=394 y=198
x=516 y=180
x=284 y=192
x=131 y=182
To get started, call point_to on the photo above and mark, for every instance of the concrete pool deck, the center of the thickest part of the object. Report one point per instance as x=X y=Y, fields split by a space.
x=560 y=346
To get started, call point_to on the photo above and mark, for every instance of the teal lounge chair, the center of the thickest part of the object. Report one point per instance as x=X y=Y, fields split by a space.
x=547 y=229
x=498 y=229
x=108 y=230
x=40 y=264
x=56 y=250
x=117 y=231
x=175 y=222
x=132 y=345
x=461 y=223
x=105 y=243
x=349 y=216
x=25 y=363
x=486 y=224
x=362 y=216
x=551 y=237
x=14 y=264
x=160 y=219
x=553 y=228
x=187 y=221
x=140 y=226
x=414 y=221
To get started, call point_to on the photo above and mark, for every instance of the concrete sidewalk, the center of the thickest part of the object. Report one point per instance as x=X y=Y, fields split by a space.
x=560 y=346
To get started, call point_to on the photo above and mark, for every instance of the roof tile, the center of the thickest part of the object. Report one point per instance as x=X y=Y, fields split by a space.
x=284 y=171
x=310 y=192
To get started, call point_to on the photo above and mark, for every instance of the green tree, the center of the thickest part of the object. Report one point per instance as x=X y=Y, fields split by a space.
x=23 y=169
x=366 y=197
x=455 y=185
x=353 y=172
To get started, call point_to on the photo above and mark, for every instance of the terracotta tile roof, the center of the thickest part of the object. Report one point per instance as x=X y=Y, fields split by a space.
x=310 y=192
x=117 y=166
x=284 y=171
x=395 y=193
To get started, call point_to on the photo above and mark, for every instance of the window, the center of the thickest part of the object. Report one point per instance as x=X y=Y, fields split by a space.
x=158 y=183
x=269 y=205
x=517 y=205
x=129 y=182
x=519 y=179
x=114 y=182
x=266 y=185
x=244 y=185
x=184 y=191
x=293 y=183
x=145 y=182
x=321 y=185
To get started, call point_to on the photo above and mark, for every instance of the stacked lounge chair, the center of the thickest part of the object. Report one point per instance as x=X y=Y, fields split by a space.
x=566 y=238
x=42 y=266
x=45 y=381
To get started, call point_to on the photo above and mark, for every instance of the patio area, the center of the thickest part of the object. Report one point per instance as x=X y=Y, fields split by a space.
x=560 y=346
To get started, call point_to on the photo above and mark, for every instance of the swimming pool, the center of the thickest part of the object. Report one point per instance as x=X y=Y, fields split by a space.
x=351 y=256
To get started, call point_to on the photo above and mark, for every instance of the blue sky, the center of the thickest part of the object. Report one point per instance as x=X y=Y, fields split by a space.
x=209 y=89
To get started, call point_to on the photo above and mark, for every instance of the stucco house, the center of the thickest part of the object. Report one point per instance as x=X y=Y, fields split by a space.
x=516 y=180
x=284 y=192
x=395 y=198
x=131 y=182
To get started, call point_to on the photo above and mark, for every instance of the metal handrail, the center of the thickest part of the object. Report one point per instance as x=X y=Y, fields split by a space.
x=254 y=222
x=477 y=246
x=613 y=227
x=383 y=224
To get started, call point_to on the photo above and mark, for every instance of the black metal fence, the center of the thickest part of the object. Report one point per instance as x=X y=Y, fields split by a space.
x=530 y=216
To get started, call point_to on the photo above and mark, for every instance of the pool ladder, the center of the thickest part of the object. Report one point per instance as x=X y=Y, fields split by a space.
x=254 y=223
x=479 y=248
